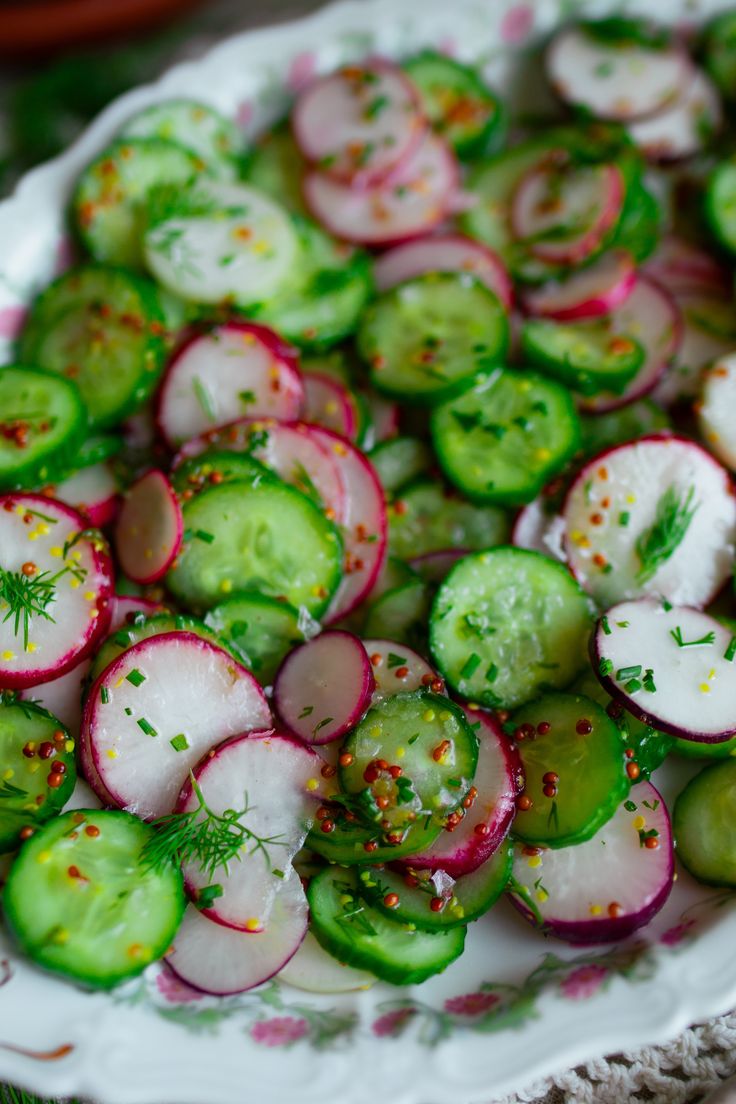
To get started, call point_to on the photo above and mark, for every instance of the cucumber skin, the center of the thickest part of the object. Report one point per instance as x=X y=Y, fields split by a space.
x=330 y=847
x=53 y=467
x=698 y=792
x=585 y=381
x=718 y=226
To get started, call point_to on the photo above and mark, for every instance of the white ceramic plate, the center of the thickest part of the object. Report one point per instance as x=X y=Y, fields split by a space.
x=513 y=1008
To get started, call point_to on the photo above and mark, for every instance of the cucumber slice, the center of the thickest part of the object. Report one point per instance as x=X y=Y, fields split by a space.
x=212 y=468
x=418 y=751
x=102 y=328
x=394 y=573
x=97 y=449
x=640 y=225
x=604 y=431
x=507 y=624
x=260 y=630
x=719 y=52
x=574 y=771
x=505 y=436
x=435 y=902
x=401 y=614
x=275 y=166
x=704 y=822
x=720 y=204
x=587 y=356
x=141 y=628
x=350 y=843
x=261 y=535
x=37 y=768
x=81 y=901
x=399 y=461
x=42 y=424
x=427 y=518
x=427 y=337
x=359 y=935
x=109 y=203
x=458 y=104
x=204 y=131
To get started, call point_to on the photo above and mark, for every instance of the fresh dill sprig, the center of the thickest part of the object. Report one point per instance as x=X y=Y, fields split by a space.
x=26 y=597
x=672 y=520
x=203 y=836
x=9 y=792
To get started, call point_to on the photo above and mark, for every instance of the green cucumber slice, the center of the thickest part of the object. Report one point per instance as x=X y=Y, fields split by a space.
x=507 y=624
x=260 y=630
x=400 y=460
x=637 y=419
x=359 y=935
x=693 y=749
x=425 y=338
x=505 y=436
x=704 y=823
x=202 y=130
x=97 y=449
x=587 y=356
x=640 y=226
x=351 y=843
x=42 y=425
x=213 y=467
x=142 y=628
x=80 y=901
x=427 y=518
x=583 y=750
x=648 y=747
x=719 y=52
x=458 y=104
x=720 y=203
x=275 y=166
x=401 y=614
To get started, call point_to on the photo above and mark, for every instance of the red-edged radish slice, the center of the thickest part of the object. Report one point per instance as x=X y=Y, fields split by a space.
x=93 y=491
x=384 y=418
x=671 y=666
x=603 y=890
x=593 y=291
x=397 y=668
x=359 y=122
x=222 y=962
x=124 y=607
x=435 y=566
x=62 y=696
x=651 y=315
x=364 y=526
x=154 y=712
x=290 y=449
x=621 y=81
x=329 y=403
x=683 y=128
x=444 y=253
x=313 y=970
x=150 y=529
x=324 y=687
x=539 y=530
x=277 y=780
x=42 y=540
x=499 y=779
x=679 y=266
x=235 y=368
x=412 y=202
x=553 y=194
x=717 y=409
x=709 y=331
x=614 y=513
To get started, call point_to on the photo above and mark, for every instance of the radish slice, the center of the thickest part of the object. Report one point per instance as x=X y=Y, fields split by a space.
x=274 y=778
x=539 y=530
x=709 y=332
x=313 y=970
x=62 y=696
x=671 y=666
x=329 y=403
x=324 y=687
x=415 y=199
x=684 y=127
x=123 y=608
x=155 y=711
x=384 y=418
x=222 y=962
x=397 y=668
x=93 y=491
x=593 y=291
x=360 y=122
x=650 y=315
x=444 y=253
x=612 y=509
x=499 y=779
x=625 y=81
x=150 y=529
x=364 y=524
x=236 y=367
x=436 y=566
x=35 y=531
x=553 y=194
x=717 y=409
x=603 y=890
x=680 y=266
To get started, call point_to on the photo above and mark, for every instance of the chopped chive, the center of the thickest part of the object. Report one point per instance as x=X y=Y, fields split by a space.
x=413 y=739
x=247 y=396
x=676 y=634
x=306 y=712
x=454 y=782
x=128 y=711
x=624 y=518
x=146 y=726
x=203 y=535
x=649 y=681
x=666 y=606
x=104 y=695
x=623 y=624
x=394 y=660
x=492 y=673
x=321 y=724
x=653 y=807
x=605 y=626
x=471 y=665
x=122 y=638
x=180 y=742
x=645 y=834
x=605 y=667
x=730 y=651
x=632 y=686
x=203 y=398
x=135 y=677
x=630 y=806
x=278 y=873
x=624 y=673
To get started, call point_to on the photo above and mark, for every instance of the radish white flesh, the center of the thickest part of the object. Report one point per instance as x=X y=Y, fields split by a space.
x=276 y=780
x=443 y=253
x=709 y=331
x=397 y=668
x=324 y=687
x=622 y=82
x=413 y=201
x=593 y=291
x=330 y=404
x=499 y=778
x=690 y=688
x=93 y=491
x=150 y=528
x=602 y=890
x=359 y=122
x=617 y=500
x=680 y=266
x=124 y=607
x=184 y=696
x=35 y=531
x=235 y=368
x=313 y=970
x=221 y=961
x=364 y=524
x=650 y=315
x=537 y=529
x=63 y=696
x=682 y=128
x=553 y=195
x=717 y=409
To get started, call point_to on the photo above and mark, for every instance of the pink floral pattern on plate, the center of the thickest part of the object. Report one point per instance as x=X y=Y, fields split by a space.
x=301 y=71
x=12 y=319
x=279 y=1031
x=583 y=982
x=471 y=1004
x=517 y=24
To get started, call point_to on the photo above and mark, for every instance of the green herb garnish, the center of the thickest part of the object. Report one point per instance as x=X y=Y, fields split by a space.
x=672 y=519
